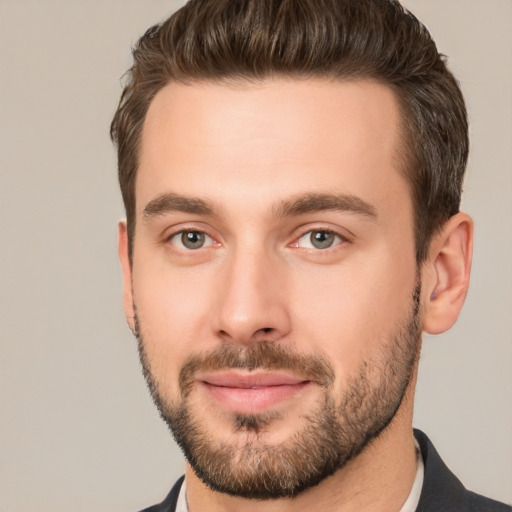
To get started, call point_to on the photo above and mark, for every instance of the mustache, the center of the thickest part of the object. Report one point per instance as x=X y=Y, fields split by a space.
x=260 y=356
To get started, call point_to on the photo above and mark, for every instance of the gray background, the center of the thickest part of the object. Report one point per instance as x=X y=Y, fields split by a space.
x=77 y=428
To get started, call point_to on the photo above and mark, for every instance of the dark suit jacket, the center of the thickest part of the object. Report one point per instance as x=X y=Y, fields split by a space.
x=441 y=492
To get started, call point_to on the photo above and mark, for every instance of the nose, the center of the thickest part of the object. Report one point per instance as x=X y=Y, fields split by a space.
x=251 y=299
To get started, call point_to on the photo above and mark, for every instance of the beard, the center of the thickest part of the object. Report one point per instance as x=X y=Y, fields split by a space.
x=335 y=431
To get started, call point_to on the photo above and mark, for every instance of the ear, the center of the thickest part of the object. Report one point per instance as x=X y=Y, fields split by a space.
x=446 y=274
x=126 y=268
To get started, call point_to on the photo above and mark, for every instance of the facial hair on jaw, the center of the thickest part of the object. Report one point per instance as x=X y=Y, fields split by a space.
x=334 y=432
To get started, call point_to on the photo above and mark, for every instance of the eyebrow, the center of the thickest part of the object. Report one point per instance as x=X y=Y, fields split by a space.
x=297 y=205
x=314 y=202
x=169 y=203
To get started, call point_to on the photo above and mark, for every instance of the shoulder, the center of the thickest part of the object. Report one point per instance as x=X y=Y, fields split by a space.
x=169 y=503
x=477 y=503
x=442 y=490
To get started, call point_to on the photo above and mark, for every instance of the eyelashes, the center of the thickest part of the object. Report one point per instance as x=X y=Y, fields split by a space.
x=319 y=239
x=191 y=240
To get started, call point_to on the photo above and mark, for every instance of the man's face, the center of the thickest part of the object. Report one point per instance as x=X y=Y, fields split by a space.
x=274 y=283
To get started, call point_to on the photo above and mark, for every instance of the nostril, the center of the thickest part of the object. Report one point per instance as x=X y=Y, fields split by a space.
x=263 y=332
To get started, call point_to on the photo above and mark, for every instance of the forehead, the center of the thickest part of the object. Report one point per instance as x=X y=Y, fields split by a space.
x=276 y=136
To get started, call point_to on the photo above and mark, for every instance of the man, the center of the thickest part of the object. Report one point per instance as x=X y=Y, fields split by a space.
x=291 y=172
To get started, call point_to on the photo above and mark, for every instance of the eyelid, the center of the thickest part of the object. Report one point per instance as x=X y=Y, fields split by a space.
x=178 y=230
x=343 y=238
x=209 y=242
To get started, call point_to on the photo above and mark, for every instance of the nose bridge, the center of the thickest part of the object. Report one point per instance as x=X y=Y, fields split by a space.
x=252 y=303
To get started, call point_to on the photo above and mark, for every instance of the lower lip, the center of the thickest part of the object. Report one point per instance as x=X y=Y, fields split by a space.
x=254 y=400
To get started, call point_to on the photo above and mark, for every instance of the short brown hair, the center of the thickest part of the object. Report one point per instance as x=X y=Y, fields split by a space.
x=349 y=39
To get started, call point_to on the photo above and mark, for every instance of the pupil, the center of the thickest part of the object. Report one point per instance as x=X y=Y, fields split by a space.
x=192 y=239
x=322 y=239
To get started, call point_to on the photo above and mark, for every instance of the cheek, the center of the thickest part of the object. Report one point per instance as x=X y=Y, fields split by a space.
x=172 y=312
x=350 y=312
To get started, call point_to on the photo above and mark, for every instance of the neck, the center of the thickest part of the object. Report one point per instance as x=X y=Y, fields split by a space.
x=380 y=478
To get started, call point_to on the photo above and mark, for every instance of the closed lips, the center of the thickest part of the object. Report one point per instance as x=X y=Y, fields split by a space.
x=251 y=380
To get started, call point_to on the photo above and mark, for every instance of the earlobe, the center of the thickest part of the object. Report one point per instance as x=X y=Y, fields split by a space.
x=446 y=274
x=126 y=268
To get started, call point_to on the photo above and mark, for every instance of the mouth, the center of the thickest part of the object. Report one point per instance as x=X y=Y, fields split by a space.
x=252 y=393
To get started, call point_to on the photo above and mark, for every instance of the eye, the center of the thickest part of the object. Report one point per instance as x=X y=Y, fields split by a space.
x=319 y=239
x=191 y=240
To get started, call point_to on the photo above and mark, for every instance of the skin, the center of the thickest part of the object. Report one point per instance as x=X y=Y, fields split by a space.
x=245 y=149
